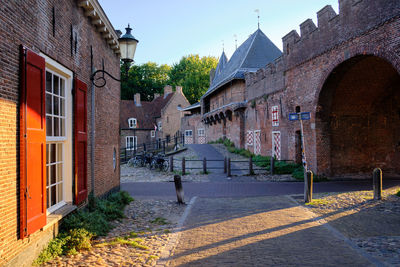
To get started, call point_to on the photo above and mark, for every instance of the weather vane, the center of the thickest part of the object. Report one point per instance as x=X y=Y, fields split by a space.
x=223 y=46
x=235 y=40
x=258 y=17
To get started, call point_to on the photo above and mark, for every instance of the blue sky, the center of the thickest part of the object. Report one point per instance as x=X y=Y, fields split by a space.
x=170 y=29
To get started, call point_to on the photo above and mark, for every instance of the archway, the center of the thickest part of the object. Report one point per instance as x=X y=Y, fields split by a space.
x=358 y=118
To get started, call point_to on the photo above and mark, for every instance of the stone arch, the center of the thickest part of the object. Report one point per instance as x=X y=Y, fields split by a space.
x=358 y=116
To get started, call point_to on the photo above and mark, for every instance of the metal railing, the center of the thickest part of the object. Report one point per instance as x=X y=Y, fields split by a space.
x=159 y=146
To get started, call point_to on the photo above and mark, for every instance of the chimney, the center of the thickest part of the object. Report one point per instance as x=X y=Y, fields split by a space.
x=178 y=89
x=156 y=95
x=167 y=89
x=137 y=100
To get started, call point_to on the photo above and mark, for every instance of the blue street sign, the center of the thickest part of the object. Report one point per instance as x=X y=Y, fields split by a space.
x=293 y=116
x=304 y=116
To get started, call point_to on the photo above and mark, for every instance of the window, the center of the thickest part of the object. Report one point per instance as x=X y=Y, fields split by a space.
x=200 y=132
x=132 y=122
x=131 y=142
x=58 y=135
x=275 y=116
x=159 y=125
x=153 y=133
x=188 y=133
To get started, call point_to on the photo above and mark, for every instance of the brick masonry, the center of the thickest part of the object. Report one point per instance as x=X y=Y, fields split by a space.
x=346 y=73
x=30 y=23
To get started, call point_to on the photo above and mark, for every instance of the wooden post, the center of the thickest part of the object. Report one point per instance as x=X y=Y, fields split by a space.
x=229 y=167
x=171 y=163
x=225 y=163
x=183 y=166
x=377 y=183
x=308 y=187
x=272 y=166
x=251 y=171
x=125 y=154
x=204 y=165
x=178 y=188
x=144 y=147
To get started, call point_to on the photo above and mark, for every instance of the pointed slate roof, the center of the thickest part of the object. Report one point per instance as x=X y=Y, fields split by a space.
x=221 y=65
x=253 y=54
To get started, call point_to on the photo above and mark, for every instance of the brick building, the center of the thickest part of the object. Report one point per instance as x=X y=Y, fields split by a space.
x=224 y=104
x=192 y=125
x=345 y=72
x=46 y=103
x=144 y=122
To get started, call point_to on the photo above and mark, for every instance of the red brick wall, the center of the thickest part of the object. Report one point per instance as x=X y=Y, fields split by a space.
x=299 y=78
x=30 y=23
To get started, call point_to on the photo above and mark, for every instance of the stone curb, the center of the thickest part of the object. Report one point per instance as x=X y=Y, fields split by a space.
x=337 y=234
x=173 y=241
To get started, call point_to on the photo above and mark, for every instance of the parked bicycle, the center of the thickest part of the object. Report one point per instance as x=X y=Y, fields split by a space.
x=141 y=160
x=159 y=162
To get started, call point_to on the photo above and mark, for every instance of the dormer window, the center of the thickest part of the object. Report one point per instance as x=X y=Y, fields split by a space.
x=132 y=122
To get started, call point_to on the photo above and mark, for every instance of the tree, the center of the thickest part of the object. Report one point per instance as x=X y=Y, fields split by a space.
x=146 y=79
x=193 y=74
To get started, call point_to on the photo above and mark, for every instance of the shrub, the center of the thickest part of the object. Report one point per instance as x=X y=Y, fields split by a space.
x=228 y=143
x=78 y=228
x=398 y=194
x=298 y=173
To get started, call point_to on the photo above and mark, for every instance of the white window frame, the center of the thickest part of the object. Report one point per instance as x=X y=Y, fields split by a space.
x=127 y=142
x=189 y=131
x=132 y=122
x=57 y=69
x=153 y=133
x=201 y=132
x=275 y=116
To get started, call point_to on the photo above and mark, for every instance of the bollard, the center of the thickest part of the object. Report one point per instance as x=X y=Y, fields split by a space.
x=204 y=165
x=272 y=166
x=225 y=165
x=178 y=188
x=171 y=163
x=229 y=167
x=125 y=155
x=163 y=145
x=308 y=187
x=183 y=166
x=251 y=172
x=377 y=183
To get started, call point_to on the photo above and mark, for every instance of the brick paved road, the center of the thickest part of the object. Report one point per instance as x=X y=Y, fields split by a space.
x=262 y=231
x=242 y=189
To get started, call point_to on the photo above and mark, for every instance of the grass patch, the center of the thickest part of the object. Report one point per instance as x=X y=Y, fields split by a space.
x=180 y=173
x=167 y=231
x=78 y=228
x=135 y=243
x=318 y=202
x=160 y=221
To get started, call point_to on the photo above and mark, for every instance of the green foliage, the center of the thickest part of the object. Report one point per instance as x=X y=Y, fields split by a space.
x=53 y=249
x=193 y=74
x=298 y=173
x=78 y=228
x=159 y=221
x=76 y=240
x=262 y=161
x=282 y=167
x=146 y=79
x=398 y=194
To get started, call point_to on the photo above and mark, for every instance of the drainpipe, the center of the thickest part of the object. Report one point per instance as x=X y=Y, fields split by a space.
x=92 y=125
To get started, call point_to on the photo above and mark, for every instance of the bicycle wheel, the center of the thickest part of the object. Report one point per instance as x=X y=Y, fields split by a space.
x=153 y=164
x=165 y=165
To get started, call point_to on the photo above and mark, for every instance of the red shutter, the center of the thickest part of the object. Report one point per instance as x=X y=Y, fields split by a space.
x=80 y=111
x=32 y=143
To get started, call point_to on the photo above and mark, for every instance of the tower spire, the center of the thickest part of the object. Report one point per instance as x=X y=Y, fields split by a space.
x=235 y=40
x=258 y=17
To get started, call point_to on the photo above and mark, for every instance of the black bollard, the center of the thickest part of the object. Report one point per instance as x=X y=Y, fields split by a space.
x=272 y=166
x=179 y=189
x=225 y=165
x=229 y=168
x=251 y=172
x=377 y=183
x=204 y=165
x=308 y=187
